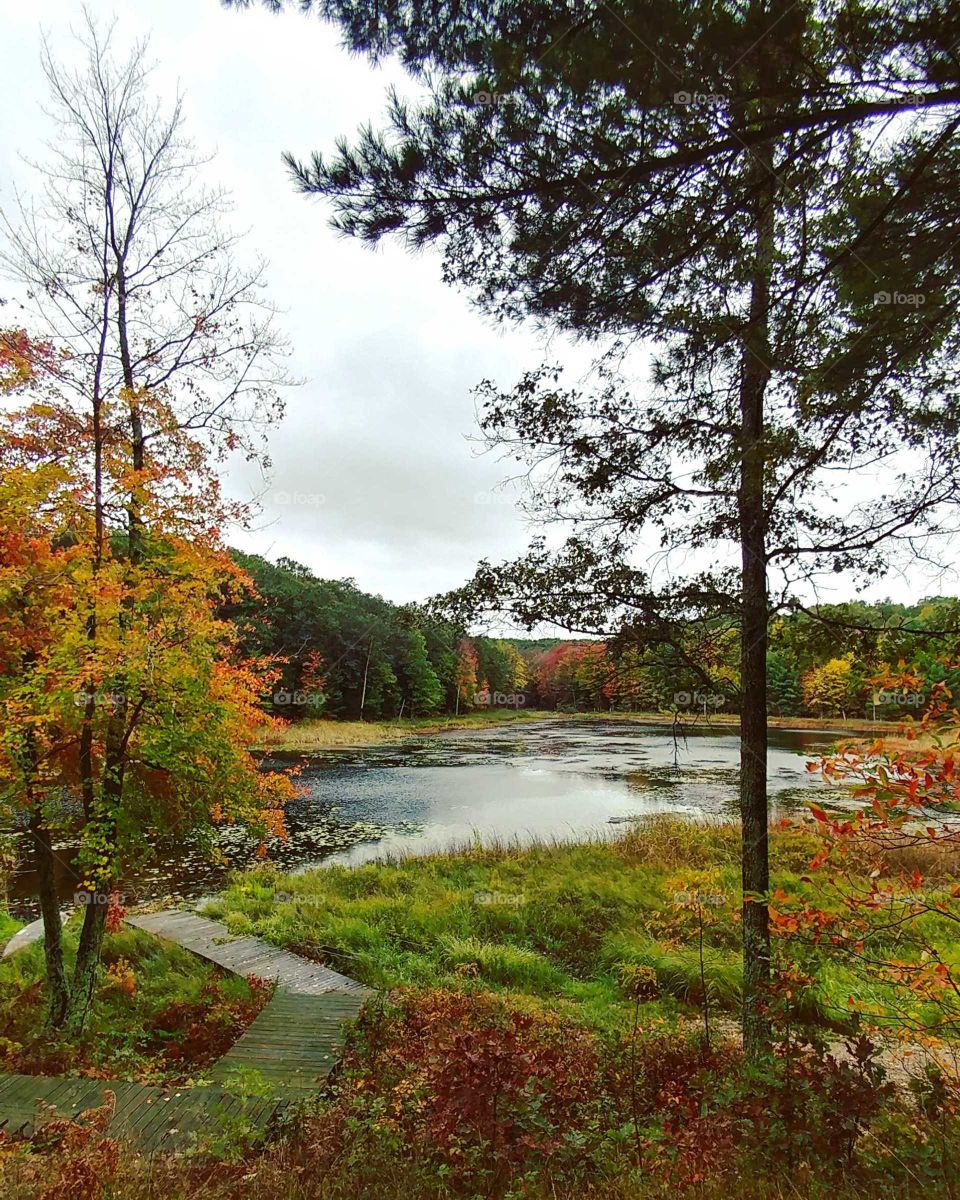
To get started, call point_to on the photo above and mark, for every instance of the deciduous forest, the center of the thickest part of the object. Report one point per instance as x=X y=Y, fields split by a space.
x=343 y=653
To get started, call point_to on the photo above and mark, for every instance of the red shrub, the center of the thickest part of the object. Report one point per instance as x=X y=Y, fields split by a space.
x=471 y=1081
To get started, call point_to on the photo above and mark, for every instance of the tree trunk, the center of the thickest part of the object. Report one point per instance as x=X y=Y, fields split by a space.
x=57 y=994
x=135 y=530
x=85 y=970
x=366 y=669
x=46 y=881
x=94 y=918
x=753 y=790
x=754 y=374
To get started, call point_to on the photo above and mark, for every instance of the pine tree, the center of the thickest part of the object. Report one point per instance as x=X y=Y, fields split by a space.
x=783 y=685
x=382 y=699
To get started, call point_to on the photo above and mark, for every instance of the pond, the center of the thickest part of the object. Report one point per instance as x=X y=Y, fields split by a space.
x=552 y=779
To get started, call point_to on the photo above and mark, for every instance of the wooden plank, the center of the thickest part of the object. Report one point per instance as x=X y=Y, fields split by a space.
x=152 y=1121
x=30 y=933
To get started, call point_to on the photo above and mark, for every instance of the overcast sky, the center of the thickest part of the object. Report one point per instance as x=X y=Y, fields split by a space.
x=374 y=475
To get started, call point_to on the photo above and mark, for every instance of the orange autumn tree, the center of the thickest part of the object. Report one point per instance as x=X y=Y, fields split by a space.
x=883 y=890
x=126 y=709
x=127 y=712
x=465 y=676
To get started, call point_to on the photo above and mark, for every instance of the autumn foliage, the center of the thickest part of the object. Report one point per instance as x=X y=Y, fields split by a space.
x=127 y=709
x=882 y=892
x=496 y=1100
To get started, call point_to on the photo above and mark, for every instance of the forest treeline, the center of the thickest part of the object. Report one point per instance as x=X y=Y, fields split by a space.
x=330 y=649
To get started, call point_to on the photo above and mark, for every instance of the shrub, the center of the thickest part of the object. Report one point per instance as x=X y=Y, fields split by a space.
x=474 y=1087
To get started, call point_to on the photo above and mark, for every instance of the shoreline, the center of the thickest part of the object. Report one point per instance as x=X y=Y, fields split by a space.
x=329 y=734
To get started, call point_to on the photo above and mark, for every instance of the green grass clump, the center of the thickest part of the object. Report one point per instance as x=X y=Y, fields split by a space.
x=8 y=926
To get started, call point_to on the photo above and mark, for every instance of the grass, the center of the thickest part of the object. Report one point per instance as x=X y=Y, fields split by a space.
x=554 y=925
x=551 y=926
x=514 y=974
x=8 y=925
x=160 y=1013
x=295 y=1169
x=306 y=736
x=720 y=719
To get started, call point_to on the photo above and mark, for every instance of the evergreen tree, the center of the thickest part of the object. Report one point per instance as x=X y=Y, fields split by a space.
x=424 y=691
x=783 y=684
x=382 y=698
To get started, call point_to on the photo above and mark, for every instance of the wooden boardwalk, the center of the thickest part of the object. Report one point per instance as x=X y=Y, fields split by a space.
x=29 y=934
x=245 y=955
x=293 y=1044
x=288 y=1049
x=156 y=1118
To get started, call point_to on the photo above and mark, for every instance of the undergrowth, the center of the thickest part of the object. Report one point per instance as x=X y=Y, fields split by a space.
x=324 y=733
x=448 y=1095
x=159 y=1014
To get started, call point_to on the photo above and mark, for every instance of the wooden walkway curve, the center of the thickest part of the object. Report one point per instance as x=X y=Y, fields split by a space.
x=245 y=955
x=289 y=1048
x=156 y=1118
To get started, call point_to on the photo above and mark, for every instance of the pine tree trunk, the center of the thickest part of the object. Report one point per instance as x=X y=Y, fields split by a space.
x=754 y=374
x=758 y=80
x=753 y=688
x=753 y=793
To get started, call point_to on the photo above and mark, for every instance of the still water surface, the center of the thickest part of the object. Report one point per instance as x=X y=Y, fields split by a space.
x=564 y=779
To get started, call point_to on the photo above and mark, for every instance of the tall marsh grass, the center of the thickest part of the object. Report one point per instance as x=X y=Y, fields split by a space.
x=305 y=737
x=551 y=920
